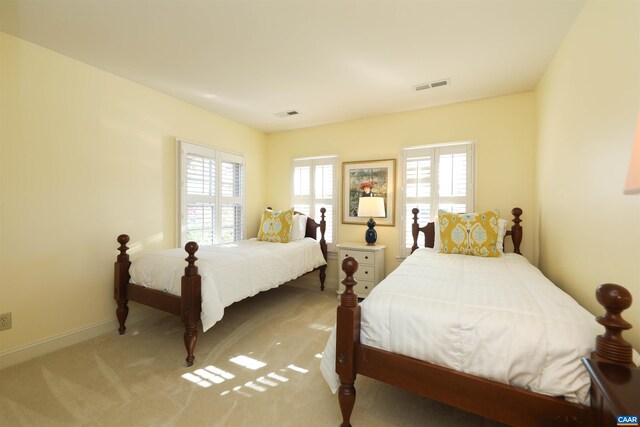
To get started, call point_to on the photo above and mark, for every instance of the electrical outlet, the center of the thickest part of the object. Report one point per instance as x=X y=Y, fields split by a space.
x=5 y=321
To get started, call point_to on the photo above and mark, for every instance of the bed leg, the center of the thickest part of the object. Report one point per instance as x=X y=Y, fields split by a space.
x=347 y=337
x=121 y=313
x=121 y=279
x=190 y=338
x=323 y=275
x=191 y=301
x=347 y=399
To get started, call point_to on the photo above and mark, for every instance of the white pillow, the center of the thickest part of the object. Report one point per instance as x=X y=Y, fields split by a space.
x=299 y=228
x=502 y=231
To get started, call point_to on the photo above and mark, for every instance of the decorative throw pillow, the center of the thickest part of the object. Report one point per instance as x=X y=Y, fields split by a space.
x=469 y=234
x=275 y=226
x=436 y=236
x=299 y=228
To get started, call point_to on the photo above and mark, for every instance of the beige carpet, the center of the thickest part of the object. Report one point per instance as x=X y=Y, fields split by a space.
x=140 y=378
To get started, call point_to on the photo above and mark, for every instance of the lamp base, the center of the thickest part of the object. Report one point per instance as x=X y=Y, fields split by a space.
x=371 y=236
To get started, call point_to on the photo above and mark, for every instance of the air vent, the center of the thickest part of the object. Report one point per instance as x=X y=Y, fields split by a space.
x=431 y=85
x=287 y=113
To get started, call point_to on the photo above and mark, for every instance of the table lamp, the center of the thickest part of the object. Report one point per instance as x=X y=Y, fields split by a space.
x=373 y=207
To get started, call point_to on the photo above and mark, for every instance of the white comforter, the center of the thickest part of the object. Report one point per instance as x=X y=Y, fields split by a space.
x=230 y=272
x=497 y=318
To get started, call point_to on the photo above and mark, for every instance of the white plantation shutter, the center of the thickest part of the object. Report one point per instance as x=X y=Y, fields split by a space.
x=314 y=187
x=302 y=198
x=417 y=189
x=211 y=195
x=435 y=177
x=231 y=197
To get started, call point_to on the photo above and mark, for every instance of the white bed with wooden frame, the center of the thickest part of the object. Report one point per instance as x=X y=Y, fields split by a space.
x=452 y=357
x=230 y=273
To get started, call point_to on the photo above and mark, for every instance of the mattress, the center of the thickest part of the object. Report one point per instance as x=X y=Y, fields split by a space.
x=497 y=318
x=230 y=272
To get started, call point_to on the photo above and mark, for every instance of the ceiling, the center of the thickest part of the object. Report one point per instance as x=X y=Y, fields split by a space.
x=330 y=60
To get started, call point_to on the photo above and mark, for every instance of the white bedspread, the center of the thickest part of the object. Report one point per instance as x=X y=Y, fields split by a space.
x=497 y=318
x=230 y=272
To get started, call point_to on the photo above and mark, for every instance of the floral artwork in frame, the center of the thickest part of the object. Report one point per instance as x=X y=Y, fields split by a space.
x=364 y=179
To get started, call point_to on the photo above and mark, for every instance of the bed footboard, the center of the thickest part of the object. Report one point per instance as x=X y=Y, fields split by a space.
x=187 y=306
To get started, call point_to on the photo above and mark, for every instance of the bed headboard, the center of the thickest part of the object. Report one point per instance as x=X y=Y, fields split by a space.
x=429 y=231
x=312 y=229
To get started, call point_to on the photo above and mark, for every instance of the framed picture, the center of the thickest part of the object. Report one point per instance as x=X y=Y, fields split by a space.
x=364 y=179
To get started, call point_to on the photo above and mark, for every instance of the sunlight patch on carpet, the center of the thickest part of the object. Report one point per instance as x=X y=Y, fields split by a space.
x=248 y=362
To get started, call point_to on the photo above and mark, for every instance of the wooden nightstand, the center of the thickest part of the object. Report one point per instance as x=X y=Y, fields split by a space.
x=615 y=391
x=370 y=265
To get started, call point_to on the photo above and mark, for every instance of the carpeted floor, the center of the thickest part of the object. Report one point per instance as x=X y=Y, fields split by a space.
x=256 y=367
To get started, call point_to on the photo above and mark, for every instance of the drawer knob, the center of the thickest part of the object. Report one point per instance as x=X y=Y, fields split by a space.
x=346 y=255
x=366 y=272
x=366 y=257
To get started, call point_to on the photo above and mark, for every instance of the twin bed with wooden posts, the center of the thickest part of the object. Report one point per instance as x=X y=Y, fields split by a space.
x=228 y=273
x=490 y=336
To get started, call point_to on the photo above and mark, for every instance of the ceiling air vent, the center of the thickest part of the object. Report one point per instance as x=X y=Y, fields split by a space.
x=287 y=113
x=430 y=85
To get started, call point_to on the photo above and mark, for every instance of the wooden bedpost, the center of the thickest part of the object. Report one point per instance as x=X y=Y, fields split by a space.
x=516 y=230
x=191 y=302
x=121 y=279
x=323 y=247
x=414 y=229
x=611 y=347
x=347 y=335
x=429 y=231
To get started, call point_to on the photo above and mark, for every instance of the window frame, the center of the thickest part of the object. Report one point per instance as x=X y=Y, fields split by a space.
x=403 y=250
x=313 y=162
x=185 y=146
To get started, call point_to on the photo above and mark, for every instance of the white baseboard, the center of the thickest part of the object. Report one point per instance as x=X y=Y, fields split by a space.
x=38 y=348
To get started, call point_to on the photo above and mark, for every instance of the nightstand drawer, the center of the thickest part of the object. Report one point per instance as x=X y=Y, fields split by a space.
x=363 y=258
x=362 y=289
x=365 y=272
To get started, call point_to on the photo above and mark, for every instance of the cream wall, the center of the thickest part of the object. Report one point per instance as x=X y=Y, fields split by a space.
x=503 y=129
x=587 y=107
x=87 y=155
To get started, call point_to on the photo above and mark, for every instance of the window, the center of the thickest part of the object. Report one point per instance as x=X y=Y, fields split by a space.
x=435 y=177
x=211 y=195
x=314 y=187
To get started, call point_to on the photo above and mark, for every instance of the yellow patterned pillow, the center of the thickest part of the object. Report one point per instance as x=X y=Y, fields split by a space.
x=276 y=226
x=470 y=233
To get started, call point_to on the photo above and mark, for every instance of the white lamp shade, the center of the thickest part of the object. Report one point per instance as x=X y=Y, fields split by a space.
x=371 y=207
x=633 y=178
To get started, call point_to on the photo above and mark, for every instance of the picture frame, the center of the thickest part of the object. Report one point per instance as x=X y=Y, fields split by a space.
x=371 y=177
